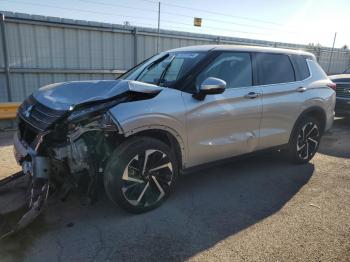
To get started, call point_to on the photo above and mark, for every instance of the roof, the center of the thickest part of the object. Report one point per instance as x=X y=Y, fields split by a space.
x=242 y=48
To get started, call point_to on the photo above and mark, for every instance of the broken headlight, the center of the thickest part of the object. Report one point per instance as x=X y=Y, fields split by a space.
x=88 y=112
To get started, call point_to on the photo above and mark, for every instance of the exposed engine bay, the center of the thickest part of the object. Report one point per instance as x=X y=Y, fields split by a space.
x=66 y=149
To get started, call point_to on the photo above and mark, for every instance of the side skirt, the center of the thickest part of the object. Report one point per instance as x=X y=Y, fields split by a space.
x=230 y=159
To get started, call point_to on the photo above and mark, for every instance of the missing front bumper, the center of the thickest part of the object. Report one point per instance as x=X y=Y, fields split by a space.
x=33 y=200
x=37 y=170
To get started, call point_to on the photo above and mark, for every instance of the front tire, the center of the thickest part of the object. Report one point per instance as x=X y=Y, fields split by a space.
x=140 y=174
x=305 y=140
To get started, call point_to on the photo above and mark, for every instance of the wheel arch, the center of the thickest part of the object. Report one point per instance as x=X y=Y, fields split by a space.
x=316 y=112
x=167 y=135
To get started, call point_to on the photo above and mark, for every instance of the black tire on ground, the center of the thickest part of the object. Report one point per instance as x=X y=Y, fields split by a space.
x=135 y=185
x=304 y=140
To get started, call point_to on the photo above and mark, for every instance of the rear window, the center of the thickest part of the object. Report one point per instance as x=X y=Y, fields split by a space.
x=274 y=69
x=302 y=67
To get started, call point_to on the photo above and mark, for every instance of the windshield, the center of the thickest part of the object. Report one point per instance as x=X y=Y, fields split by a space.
x=164 y=69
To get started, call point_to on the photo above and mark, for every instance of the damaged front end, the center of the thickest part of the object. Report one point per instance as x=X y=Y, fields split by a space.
x=66 y=149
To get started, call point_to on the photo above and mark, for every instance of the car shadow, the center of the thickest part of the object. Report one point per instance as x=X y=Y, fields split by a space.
x=207 y=207
x=336 y=142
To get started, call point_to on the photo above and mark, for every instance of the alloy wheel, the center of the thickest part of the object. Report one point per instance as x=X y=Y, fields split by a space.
x=147 y=178
x=308 y=140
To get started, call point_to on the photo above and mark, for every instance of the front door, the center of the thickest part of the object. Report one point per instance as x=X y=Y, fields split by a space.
x=226 y=124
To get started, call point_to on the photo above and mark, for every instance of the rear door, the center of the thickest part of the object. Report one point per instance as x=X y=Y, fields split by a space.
x=282 y=97
x=226 y=124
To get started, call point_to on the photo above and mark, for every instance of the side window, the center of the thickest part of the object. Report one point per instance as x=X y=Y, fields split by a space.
x=274 y=69
x=302 y=67
x=234 y=68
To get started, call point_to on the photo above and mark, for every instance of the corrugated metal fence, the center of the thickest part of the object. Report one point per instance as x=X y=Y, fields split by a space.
x=41 y=50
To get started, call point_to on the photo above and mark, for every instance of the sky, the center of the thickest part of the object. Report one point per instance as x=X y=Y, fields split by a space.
x=290 y=21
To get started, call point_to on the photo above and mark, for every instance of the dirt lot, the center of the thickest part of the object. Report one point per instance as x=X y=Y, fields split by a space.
x=7 y=161
x=259 y=209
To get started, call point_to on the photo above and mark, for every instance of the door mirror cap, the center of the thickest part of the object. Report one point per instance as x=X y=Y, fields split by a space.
x=210 y=86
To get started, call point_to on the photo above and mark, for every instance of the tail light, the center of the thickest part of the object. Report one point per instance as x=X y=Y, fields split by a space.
x=332 y=85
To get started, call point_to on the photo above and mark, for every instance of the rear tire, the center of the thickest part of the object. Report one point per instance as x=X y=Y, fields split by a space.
x=140 y=174
x=305 y=140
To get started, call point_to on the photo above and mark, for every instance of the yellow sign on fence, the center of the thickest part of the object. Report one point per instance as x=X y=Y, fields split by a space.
x=197 y=21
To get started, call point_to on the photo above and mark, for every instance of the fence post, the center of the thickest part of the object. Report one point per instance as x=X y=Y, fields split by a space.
x=330 y=59
x=6 y=58
x=135 y=45
x=318 y=53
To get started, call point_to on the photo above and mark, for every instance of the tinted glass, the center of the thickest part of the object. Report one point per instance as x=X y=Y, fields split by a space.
x=234 y=68
x=275 y=68
x=302 y=67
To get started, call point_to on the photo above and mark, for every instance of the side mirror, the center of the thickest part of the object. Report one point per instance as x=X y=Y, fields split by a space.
x=210 y=86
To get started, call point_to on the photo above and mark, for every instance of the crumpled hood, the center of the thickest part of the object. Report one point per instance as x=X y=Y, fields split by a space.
x=62 y=96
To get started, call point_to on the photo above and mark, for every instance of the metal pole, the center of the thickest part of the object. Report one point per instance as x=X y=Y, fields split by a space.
x=135 y=45
x=330 y=59
x=6 y=58
x=318 y=53
x=158 y=27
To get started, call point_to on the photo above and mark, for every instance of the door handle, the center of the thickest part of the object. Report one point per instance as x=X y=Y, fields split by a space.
x=301 y=89
x=252 y=95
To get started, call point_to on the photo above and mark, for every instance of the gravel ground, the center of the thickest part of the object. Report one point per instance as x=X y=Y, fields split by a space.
x=258 y=209
x=7 y=161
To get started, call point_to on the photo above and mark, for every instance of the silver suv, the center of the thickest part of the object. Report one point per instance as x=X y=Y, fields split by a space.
x=177 y=110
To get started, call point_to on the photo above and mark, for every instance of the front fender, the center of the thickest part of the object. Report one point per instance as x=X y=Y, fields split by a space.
x=165 y=112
